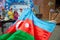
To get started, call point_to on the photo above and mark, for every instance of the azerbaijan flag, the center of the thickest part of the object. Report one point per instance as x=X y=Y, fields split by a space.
x=29 y=27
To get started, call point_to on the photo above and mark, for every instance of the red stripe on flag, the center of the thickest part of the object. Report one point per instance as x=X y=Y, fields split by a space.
x=27 y=27
x=12 y=28
x=41 y=34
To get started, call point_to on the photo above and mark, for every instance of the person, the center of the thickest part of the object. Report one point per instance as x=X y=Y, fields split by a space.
x=3 y=12
x=20 y=12
x=10 y=14
x=15 y=15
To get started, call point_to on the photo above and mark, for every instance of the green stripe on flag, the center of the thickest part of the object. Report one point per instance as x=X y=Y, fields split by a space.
x=20 y=35
x=4 y=36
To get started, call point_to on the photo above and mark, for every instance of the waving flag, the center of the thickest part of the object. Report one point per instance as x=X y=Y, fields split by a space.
x=30 y=28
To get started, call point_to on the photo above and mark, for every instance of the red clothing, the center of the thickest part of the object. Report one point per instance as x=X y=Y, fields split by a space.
x=15 y=15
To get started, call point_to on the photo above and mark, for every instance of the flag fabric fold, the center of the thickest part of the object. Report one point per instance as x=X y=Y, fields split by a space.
x=29 y=27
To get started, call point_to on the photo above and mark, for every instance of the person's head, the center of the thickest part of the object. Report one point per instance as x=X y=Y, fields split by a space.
x=21 y=9
x=10 y=9
x=3 y=9
x=15 y=11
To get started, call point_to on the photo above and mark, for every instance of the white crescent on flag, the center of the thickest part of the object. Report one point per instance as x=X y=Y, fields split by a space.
x=17 y=25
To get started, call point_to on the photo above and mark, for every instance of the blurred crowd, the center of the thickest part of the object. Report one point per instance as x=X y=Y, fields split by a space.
x=10 y=14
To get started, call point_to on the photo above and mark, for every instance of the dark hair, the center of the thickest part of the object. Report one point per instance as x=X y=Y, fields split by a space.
x=21 y=9
x=10 y=8
x=15 y=11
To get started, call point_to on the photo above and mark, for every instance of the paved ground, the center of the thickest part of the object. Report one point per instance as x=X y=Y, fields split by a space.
x=55 y=35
